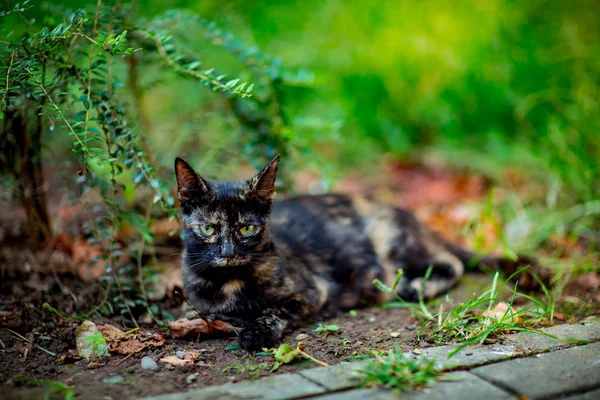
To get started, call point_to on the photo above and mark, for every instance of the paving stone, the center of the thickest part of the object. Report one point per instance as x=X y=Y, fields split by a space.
x=521 y=344
x=333 y=378
x=557 y=373
x=464 y=386
x=593 y=395
x=280 y=387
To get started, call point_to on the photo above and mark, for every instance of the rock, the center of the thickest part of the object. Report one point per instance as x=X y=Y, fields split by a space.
x=302 y=336
x=89 y=341
x=180 y=354
x=372 y=319
x=114 y=380
x=191 y=378
x=394 y=334
x=149 y=364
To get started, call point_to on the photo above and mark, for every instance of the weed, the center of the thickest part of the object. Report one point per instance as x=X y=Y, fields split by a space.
x=361 y=355
x=326 y=329
x=397 y=371
x=285 y=354
x=55 y=388
x=99 y=344
x=249 y=366
x=483 y=316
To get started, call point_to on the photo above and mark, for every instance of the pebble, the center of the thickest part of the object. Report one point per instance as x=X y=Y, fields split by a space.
x=180 y=354
x=114 y=380
x=191 y=378
x=372 y=319
x=149 y=364
x=301 y=336
x=410 y=327
x=395 y=334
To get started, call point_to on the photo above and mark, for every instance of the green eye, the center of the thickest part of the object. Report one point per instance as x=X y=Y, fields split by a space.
x=207 y=230
x=247 y=230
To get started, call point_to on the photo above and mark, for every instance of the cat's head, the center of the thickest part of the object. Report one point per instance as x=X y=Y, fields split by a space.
x=225 y=222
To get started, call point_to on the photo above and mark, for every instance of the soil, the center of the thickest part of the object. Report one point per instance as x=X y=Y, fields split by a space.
x=366 y=330
x=37 y=347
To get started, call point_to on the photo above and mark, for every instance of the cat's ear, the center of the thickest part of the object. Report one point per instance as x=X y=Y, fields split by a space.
x=189 y=183
x=262 y=185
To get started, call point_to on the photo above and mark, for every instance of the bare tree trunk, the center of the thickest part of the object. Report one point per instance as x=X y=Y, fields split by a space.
x=22 y=156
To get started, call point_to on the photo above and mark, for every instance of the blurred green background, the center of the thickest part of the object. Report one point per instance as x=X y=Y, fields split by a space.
x=489 y=85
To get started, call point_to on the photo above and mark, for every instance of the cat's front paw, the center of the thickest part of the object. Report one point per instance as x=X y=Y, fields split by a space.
x=263 y=333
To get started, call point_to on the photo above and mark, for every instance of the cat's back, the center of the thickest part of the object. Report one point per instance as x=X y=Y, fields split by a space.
x=336 y=227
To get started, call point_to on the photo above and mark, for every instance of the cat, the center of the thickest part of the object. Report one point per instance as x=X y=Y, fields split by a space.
x=267 y=266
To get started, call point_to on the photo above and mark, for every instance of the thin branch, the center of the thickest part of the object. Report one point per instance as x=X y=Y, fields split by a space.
x=203 y=77
x=12 y=58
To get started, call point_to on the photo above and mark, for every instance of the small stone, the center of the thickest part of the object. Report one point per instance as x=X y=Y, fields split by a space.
x=372 y=319
x=180 y=354
x=114 y=380
x=302 y=336
x=394 y=334
x=149 y=364
x=191 y=378
x=410 y=327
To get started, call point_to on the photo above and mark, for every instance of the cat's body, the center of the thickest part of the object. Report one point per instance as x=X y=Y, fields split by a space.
x=305 y=255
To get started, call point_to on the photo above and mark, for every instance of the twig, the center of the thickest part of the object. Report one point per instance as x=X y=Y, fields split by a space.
x=23 y=338
x=314 y=359
x=139 y=260
x=203 y=77
x=126 y=358
x=63 y=288
x=202 y=316
x=12 y=58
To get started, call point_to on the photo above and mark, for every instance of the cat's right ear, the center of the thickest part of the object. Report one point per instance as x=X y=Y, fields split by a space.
x=189 y=183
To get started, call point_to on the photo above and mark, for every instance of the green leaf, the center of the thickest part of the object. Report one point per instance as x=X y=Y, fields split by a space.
x=286 y=353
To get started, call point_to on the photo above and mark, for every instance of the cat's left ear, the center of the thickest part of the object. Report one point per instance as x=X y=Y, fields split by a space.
x=189 y=183
x=262 y=185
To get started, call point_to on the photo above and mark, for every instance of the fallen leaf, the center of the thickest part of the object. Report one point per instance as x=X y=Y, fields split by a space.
x=176 y=361
x=194 y=327
x=501 y=313
x=109 y=331
x=188 y=327
x=128 y=342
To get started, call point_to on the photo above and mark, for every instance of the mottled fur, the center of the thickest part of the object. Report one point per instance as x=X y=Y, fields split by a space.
x=308 y=255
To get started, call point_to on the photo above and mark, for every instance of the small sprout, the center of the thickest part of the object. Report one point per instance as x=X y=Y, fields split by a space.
x=353 y=313
x=326 y=329
x=285 y=354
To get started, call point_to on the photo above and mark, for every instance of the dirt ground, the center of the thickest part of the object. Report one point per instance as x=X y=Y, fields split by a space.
x=358 y=334
x=37 y=347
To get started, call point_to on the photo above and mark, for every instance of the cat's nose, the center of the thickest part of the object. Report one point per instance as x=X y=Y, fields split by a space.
x=227 y=249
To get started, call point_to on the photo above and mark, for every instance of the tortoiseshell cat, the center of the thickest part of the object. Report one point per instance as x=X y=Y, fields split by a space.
x=267 y=266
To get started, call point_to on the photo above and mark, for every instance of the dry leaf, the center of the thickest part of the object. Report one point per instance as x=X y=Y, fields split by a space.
x=176 y=361
x=194 y=327
x=502 y=313
x=129 y=343
x=188 y=327
x=109 y=331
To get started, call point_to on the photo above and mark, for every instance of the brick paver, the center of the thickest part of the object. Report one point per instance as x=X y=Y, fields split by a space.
x=534 y=366
x=547 y=375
